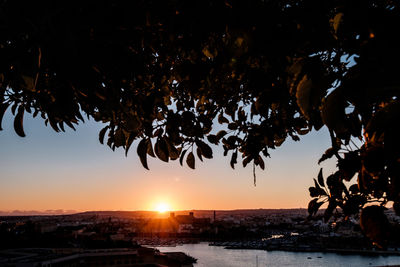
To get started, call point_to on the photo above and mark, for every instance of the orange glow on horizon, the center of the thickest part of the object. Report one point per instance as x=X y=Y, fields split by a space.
x=162 y=207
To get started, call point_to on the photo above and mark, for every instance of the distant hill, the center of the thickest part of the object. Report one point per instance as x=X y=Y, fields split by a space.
x=37 y=213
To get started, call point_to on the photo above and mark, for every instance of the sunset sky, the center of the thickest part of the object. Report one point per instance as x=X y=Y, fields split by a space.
x=73 y=171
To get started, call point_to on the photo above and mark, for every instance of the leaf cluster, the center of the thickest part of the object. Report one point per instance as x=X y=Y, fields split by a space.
x=182 y=76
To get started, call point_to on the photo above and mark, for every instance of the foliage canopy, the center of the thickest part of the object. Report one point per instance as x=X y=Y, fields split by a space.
x=166 y=72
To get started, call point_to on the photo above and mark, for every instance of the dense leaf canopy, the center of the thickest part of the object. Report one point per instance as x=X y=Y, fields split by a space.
x=167 y=72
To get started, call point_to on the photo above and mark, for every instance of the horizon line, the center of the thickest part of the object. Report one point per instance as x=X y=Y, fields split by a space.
x=75 y=212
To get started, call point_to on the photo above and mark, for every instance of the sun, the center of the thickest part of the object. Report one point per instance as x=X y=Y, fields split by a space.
x=162 y=207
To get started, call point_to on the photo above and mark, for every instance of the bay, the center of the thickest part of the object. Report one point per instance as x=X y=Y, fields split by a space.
x=213 y=256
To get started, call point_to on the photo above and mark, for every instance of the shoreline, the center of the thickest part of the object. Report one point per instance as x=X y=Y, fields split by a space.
x=324 y=250
x=274 y=247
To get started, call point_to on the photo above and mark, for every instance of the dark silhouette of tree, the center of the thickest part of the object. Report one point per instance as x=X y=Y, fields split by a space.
x=166 y=72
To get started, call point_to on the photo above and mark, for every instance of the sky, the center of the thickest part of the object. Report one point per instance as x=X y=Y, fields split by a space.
x=72 y=171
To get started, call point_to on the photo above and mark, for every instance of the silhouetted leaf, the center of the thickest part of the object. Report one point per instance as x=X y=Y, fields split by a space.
x=119 y=138
x=19 y=121
x=355 y=125
x=303 y=96
x=79 y=116
x=150 y=151
x=182 y=157
x=321 y=178
x=161 y=150
x=313 y=206
x=327 y=155
x=333 y=111
x=313 y=192
x=28 y=109
x=225 y=150
x=61 y=125
x=213 y=139
x=221 y=134
x=349 y=165
x=142 y=152
x=70 y=125
x=129 y=142
x=265 y=152
x=261 y=163
x=320 y=191
x=232 y=126
x=303 y=131
x=230 y=142
x=198 y=151
x=336 y=21
x=14 y=108
x=53 y=124
x=35 y=113
x=102 y=133
x=279 y=141
x=222 y=119
x=190 y=160
x=233 y=159
x=172 y=151
x=158 y=132
x=3 y=108
x=246 y=161
x=206 y=150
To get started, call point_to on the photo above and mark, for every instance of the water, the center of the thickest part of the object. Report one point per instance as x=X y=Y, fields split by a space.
x=212 y=256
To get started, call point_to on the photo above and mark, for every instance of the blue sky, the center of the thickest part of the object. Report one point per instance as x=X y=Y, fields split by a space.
x=73 y=171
